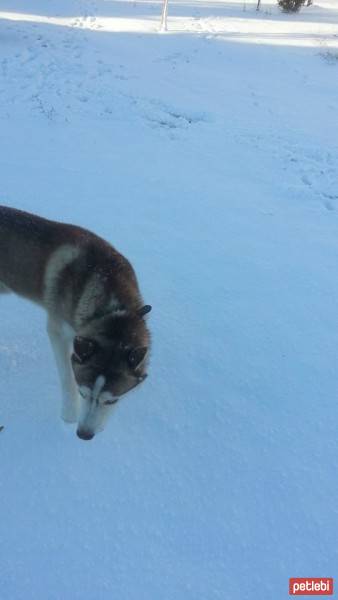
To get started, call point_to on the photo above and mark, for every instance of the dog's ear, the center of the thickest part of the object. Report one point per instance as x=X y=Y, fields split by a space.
x=136 y=356
x=84 y=348
x=144 y=310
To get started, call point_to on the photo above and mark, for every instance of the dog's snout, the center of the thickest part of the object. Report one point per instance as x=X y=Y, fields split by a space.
x=84 y=435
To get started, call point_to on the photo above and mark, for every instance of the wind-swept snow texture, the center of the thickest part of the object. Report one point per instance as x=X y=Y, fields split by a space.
x=208 y=156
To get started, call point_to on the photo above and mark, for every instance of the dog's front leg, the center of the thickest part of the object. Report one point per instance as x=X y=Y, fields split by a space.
x=61 y=349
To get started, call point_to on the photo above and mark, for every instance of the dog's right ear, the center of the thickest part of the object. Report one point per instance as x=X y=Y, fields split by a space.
x=84 y=348
x=144 y=310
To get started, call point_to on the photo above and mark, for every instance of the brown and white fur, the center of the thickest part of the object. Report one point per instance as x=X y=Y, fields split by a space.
x=95 y=311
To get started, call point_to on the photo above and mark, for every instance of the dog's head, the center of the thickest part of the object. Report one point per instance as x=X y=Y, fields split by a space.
x=109 y=358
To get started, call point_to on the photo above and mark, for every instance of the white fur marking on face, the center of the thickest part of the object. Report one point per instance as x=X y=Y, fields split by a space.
x=94 y=415
x=98 y=386
x=115 y=307
x=119 y=313
x=107 y=398
x=113 y=303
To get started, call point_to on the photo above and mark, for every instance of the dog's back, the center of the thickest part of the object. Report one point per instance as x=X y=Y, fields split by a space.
x=36 y=252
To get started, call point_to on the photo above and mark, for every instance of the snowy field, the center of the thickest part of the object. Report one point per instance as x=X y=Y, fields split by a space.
x=208 y=155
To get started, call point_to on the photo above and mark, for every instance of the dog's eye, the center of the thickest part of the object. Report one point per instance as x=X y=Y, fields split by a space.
x=136 y=356
x=109 y=402
x=84 y=348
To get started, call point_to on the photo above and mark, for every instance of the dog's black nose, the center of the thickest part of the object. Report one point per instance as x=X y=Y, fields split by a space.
x=84 y=435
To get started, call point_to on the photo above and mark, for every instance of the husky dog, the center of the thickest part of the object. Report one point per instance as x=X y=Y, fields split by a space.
x=95 y=311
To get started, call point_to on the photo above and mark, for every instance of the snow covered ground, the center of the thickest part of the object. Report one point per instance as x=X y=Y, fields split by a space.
x=208 y=156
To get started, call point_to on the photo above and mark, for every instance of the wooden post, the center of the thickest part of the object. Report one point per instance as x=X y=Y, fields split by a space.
x=164 y=16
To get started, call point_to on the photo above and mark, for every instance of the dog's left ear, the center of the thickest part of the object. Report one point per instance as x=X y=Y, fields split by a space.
x=144 y=310
x=137 y=355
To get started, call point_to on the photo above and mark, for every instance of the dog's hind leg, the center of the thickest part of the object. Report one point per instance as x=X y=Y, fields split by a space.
x=61 y=349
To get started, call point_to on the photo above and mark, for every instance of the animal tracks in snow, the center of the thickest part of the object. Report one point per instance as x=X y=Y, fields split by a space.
x=317 y=172
x=61 y=72
x=161 y=115
x=311 y=172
